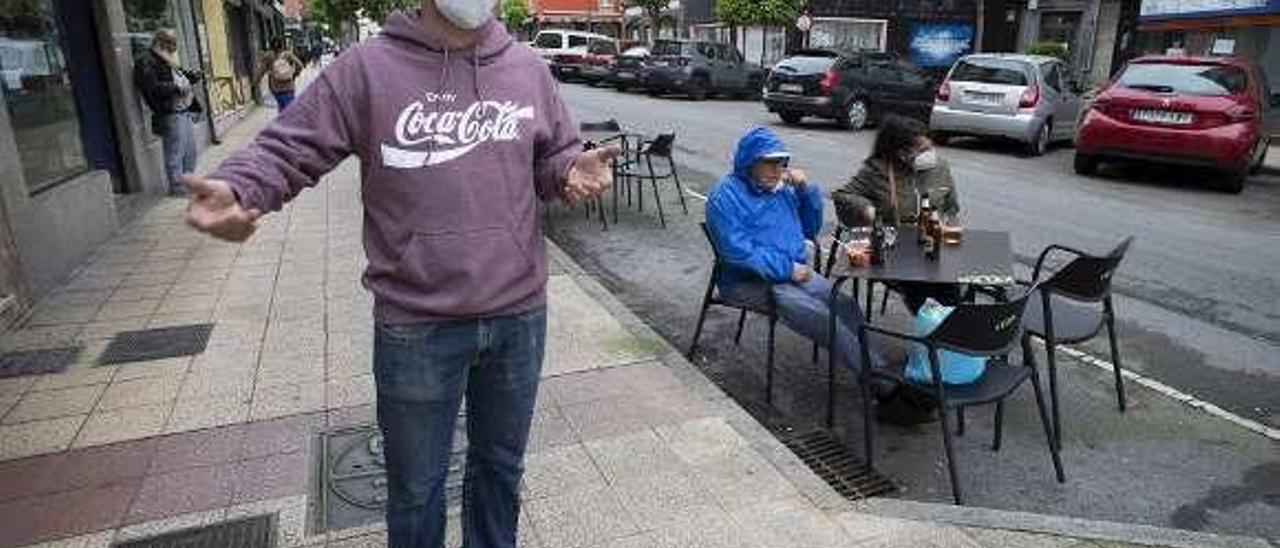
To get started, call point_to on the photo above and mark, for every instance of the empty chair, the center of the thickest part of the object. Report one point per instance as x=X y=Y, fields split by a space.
x=985 y=330
x=1071 y=306
x=639 y=165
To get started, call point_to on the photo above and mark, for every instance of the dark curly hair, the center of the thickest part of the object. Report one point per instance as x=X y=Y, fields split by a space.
x=897 y=134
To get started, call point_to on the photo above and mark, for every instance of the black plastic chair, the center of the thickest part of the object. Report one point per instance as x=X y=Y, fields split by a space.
x=986 y=330
x=1065 y=310
x=712 y=297
x=638 y=166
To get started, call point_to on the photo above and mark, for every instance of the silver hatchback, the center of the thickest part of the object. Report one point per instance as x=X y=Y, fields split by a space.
x=1027 y=98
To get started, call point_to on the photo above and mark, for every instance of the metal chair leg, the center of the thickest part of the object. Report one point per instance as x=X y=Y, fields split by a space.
x=768 y=373
x=884 y=301
x=1044 y=419
x=960 y=422
x=742 y=320
x=832 y=352
x=662 y=217
x=999 y=426
x=951 y=457
x=1051 y=359
x=871 y=291
x=679 y=188
x=697 y=331
x=1121 y=401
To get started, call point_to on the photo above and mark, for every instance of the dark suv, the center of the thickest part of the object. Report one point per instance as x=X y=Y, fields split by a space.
x=853 y=88
x=697 y=68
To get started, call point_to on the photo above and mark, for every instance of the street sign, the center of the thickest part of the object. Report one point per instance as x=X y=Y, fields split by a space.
x=804 y=22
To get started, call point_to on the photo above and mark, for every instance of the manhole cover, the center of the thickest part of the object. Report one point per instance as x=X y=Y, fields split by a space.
x=832 y=462
x=37 y=362
x=156 y=344
x=254 y=532
x=353 y=476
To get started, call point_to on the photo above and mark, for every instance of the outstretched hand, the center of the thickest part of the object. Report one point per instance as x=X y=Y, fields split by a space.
x=591 y=174
x=214 y=210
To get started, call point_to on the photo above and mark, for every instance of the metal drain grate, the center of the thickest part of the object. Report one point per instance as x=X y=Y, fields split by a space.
x=38 y=362
x=253 y=532
x=353 y=476
x=156 y=344
x=829 y=459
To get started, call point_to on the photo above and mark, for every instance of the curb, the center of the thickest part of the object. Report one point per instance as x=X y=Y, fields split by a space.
x=826 y=498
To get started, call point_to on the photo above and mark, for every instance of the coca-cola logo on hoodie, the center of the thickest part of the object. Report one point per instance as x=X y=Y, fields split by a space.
x=427 y=136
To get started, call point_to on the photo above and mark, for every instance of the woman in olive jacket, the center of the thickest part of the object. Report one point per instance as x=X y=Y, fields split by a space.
x=903 y=169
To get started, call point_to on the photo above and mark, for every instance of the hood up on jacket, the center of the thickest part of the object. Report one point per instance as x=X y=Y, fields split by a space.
x=757 y=144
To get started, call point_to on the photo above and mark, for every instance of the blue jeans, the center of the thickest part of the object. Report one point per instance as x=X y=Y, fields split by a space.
x=422 y=372
x=283 y=98
x=805 y=309
x=178 y=139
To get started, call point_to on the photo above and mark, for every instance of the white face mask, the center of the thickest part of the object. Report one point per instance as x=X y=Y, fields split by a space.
x=926 y=160
x=466 y=14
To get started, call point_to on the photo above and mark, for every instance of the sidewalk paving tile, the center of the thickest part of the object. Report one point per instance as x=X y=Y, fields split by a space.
x=579 y=519
x=996 y=538
x=659 y=499
x=171 y=367
x=790 y=523
x=350 y=391
x=877 y=531
x=549 y=429
x=278 y=436
x=276 y=476
x=182 y=492
x=702 y=441
x=168 y=524
x=17 y=386
x=141 y=391
x=196 y=413
x=560 y=471
x=705 y=527
x=351 y=416
x=638 y=454
x=52 y=404
x=612 y=382
x=287 y=400
x=203 y=448
x=39 y=437
x=127 y=423
x=65 y=514
x=74 y=378
x=744 y=478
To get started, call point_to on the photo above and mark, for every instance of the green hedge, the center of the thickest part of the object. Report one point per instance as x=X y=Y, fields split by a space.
x=1050 y=49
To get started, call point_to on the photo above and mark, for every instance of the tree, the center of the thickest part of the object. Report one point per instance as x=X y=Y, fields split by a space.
x=767 y=13
x=514 y=13
x=653 y=11
x=378 y=10
x=734 y=13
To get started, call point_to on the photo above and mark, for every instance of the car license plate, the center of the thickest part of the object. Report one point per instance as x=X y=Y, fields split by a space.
x=626 y=75
x=659 y=63
x=1162 y=117
x=791 y=88
x=985 y=98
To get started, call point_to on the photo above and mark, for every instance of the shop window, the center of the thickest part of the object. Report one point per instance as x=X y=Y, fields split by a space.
x=39 y=95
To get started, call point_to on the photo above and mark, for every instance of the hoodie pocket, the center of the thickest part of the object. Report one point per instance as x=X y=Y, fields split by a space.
x=466 y=272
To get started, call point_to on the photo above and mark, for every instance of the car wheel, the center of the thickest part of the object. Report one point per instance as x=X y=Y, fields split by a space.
x=622 y=88
x=698 y=89
x=940 y=138
x=1040 y=145
x=652 y=92
x=1233 y=181
x=855 y=115
x=1264 y=144
x=791 y=118
x=1086 y=164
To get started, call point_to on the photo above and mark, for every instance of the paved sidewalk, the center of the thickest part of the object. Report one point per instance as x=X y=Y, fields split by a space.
x=631 y=446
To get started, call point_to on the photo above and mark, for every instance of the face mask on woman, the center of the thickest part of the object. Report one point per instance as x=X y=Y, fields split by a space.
x=925 y=160
x=466 y=14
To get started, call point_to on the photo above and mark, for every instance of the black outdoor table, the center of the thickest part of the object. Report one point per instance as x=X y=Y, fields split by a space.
x=593 y=138
x=983 y=258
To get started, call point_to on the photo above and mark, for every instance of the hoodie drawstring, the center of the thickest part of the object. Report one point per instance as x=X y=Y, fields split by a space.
x=475 y=66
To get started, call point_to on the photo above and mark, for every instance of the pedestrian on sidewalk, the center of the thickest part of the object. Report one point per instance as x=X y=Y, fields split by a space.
x=460 y=131
x=168 y=90
x=902 y=170
x=282 y=67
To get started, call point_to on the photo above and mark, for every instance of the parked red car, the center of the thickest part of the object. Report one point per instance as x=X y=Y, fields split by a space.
x=1207 y=112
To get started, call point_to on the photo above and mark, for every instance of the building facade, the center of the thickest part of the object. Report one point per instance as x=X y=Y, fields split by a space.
x=600 y=16
x=77 y=153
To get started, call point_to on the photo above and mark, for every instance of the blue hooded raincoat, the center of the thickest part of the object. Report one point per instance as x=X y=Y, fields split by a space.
x=760 y=234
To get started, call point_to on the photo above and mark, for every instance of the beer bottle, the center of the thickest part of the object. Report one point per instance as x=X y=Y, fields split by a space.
x=877 y=241
x=933 y=226
x=922 y=219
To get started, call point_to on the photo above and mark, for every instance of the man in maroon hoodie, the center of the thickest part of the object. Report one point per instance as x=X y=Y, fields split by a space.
x=459 y=131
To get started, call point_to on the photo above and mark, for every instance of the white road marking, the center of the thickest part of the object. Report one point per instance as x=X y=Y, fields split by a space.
x=1175 y=394
x=695 y=194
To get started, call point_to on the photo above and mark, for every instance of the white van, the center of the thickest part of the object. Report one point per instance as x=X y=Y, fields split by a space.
x=551 y=42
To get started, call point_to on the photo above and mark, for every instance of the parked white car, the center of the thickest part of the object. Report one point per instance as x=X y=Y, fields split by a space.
x=552 y=42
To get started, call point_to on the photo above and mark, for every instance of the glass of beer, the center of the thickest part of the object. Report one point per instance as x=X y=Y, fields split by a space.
x=952 y=230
